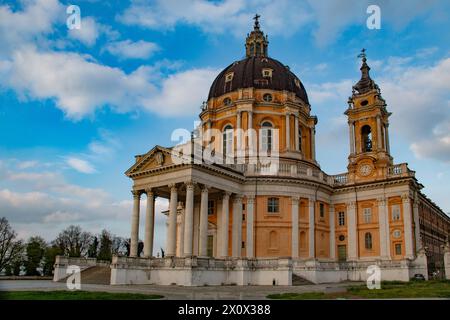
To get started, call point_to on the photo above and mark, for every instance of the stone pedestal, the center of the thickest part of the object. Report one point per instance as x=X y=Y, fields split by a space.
x=447 y=261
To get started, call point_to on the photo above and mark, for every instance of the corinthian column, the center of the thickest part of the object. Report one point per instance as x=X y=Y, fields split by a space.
x=332 y=233
x=294 y=232
x=225 y=223
x=407 y=222
x=172 y=228
x=250 y=226
x=351 y=230
x=189 y=219
x=149 y=223
x=312 y=231
x=203 y=241
x=297 y=139
x=288 y=132
x=135 y=223
x=237 y=226
x=383 y=222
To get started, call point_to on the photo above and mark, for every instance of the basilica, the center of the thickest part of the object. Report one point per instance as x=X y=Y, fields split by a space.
x=249 y=203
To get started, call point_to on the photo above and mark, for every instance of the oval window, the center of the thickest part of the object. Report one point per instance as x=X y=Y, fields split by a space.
x=341 y=237
x=227 y=101
x=267 y=97
x=397 y=234
x=364 y=103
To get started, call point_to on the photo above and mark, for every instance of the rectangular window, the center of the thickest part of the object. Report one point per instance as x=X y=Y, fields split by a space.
x=395 y=212
x=398 y=249
x=322 y=210
x=367 y=215
x=341 y=217
x=273 y=205
x=243 y=206
x=210 y=207
x=243 y=244
x=243 y=217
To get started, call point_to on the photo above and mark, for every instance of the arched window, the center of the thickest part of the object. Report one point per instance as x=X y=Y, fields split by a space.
x=227 y=140
x=266 y=136
x=300 y=138
x=368 y=241
x=366 y=138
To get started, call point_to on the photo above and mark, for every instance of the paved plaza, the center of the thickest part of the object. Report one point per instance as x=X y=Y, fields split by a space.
x=179 y=292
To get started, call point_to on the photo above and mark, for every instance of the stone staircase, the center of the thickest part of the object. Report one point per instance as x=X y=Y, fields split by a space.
x=300 y=281
x=94 y=275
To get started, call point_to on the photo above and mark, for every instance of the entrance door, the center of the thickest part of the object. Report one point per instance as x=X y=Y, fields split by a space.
x=342 y=252
x=210 y=246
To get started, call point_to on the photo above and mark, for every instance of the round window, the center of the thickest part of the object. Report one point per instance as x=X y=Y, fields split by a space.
x=341 y=237
x=364 y=103
x=227 y=101
x=397 y=234
x=267 y=97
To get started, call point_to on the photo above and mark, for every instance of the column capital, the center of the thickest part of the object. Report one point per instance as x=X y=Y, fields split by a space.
x=189 y=184
x=226 y=195
x=311 y=202
x=173 y=187
x=250 y=198
x=406 y=198
x=237 y=198
x=351 y=204
x=381 y=201
x=136 y=194
x=149 y=191
x=205 y=188
x=295 y=200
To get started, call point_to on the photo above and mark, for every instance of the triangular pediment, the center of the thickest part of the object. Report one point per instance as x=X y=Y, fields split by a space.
x=156 y=157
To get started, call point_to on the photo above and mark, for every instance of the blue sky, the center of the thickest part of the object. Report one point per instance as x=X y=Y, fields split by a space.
x=77 y=105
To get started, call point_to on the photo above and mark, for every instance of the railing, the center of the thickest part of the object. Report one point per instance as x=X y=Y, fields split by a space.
x=400 y=170
x=340 y=179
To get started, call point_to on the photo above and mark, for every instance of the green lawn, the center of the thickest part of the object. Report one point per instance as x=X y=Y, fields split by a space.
x=389 y=290
x=74 y=295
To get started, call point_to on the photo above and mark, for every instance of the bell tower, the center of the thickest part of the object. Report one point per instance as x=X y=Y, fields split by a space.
x=368 y=121
x=256 y=43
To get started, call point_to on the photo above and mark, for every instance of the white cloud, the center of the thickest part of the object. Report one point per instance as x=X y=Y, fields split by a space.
x=80 y=165
x=61 y=216
x=328 y=17
x=218 y=17
x=128 y=49
x=88 y=32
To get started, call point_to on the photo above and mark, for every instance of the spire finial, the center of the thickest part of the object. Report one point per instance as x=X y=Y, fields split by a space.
x=363 y=55
x=256 y=18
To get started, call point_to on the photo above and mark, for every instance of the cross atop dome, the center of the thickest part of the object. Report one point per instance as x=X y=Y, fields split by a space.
x=256 y=42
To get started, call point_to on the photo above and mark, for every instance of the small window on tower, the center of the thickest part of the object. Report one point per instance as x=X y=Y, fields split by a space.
x=364 y=103
x=267 y=97
x=229 y=76
x=227 y=101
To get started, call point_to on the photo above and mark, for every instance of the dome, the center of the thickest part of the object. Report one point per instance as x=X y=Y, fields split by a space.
x=248 y=73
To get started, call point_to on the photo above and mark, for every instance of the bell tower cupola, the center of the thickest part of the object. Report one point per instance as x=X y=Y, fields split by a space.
x=368 y=121
x=256 y=43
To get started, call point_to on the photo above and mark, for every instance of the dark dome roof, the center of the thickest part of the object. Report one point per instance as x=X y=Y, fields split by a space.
x=248 y=73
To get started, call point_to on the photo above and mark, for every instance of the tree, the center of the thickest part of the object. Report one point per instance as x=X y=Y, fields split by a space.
x=74 y=242
x=119 y=246
x=106 y=240
x=49 y=259
x=10 y=249
x=93 y=248
x=35 y=250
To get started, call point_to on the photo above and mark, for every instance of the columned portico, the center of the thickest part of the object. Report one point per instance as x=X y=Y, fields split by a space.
x=135 y=223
